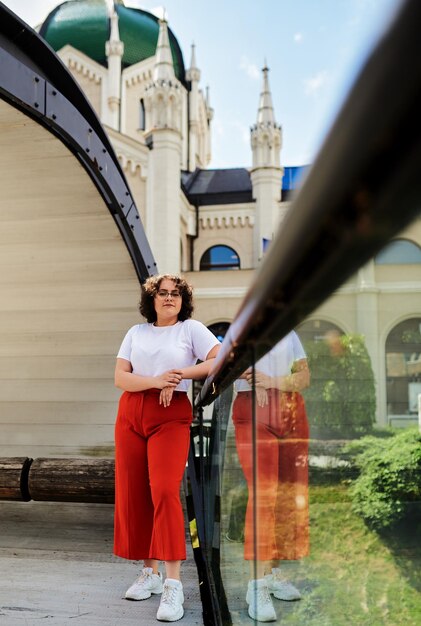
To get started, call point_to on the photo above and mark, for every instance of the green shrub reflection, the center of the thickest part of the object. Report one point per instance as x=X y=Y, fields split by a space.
x=390 y=477
x=341 y=399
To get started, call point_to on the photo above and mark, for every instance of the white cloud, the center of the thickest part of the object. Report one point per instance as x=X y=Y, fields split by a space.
x=314 y=84
x=298 y=37
x=249 y=68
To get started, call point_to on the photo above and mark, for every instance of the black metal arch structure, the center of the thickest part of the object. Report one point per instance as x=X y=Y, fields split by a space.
x=34 y=80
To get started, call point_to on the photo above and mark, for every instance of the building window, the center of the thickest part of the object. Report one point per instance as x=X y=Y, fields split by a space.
x=220 y=258
x=403 y=367
x=142 y=115
x=399 y=252
x=219 y=330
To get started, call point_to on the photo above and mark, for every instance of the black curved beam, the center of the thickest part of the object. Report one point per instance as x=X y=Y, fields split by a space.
x=34 y=80
x=364 y=187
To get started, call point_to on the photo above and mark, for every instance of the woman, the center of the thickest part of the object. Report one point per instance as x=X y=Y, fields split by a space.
x=276 y=525
x=154 y=367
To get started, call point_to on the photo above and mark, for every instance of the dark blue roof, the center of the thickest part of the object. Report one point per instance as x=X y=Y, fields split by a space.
x=224 y=186
x=219 y=181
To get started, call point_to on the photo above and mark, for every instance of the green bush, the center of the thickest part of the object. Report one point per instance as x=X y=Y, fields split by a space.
x=341 y=400
x=390 y=477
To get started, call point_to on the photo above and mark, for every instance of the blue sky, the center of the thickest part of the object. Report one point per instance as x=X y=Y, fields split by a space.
x=314 y=49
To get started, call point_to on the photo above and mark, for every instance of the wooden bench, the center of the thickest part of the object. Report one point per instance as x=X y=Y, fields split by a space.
x=74 y=479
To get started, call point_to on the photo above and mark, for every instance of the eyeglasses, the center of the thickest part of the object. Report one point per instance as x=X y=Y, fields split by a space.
x=164 y=294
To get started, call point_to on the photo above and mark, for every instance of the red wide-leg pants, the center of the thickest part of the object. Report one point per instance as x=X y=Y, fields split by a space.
x=152 y=443
x=277 y=515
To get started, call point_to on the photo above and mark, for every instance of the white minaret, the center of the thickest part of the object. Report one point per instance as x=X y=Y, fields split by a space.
x=209 y=117
x=114 y=49
x=266 y=173
x=163 y=136
x=193 y=75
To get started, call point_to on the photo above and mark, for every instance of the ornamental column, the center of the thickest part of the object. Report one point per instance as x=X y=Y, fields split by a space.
x=163 y=137
x=114 y=49
x=193 y=75
x=266 y=173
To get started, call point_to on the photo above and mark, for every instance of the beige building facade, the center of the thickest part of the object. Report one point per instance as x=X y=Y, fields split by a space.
x=212 y=225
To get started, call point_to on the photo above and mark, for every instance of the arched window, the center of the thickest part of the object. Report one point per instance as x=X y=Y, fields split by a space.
x=220 y=258
x=142 y=115
x=219 y=330
x=403 y=367
x=317 y=330
x=399 y=252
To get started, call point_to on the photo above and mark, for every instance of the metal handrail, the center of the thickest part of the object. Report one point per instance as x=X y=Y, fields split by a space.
x=364 y=187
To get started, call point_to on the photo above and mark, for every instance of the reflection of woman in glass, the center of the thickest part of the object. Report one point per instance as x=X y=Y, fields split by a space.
x=276 y=525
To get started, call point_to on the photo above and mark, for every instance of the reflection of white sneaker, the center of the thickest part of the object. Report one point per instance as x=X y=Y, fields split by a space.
x=147 y=584
x=281 y=588
x=171 y=605
x=259 y=601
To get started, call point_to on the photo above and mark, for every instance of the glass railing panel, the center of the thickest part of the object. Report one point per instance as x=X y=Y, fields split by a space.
x=313 y=459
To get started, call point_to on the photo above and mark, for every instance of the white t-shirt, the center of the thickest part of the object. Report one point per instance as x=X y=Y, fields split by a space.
x=153 y=350
x=279 y=361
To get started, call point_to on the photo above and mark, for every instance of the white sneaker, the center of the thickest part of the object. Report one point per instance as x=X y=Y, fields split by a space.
x=259 y=601
x=171 y=605
x=281 y=588
x=147 y=584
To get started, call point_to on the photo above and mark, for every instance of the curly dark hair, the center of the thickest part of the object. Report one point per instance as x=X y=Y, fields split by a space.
x=151 y=287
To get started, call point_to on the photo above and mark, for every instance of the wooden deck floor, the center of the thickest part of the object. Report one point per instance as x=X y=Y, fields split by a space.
x=56 y=568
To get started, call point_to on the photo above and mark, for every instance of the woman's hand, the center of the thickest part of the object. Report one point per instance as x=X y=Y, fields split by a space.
x=261 y=396
x=165 y=396
x=261 y=379
x=168 y=379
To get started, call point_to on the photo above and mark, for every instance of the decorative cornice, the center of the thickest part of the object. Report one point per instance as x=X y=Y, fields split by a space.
x=400 y=287
x=140 y=76
x=211 y=221
x=219 y=292
x=129 y=164
x=379 y=288
x=81 y=64
x=115 y=48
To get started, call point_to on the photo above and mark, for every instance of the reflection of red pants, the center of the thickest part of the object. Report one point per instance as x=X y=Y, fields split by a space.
x=152 y=444
x=280 y=529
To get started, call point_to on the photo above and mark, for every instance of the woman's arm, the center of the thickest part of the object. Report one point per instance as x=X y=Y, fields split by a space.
x=197 y=372
x=126 y=380
x=298 y=380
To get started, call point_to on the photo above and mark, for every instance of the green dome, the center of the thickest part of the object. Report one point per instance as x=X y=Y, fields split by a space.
x=85 y=25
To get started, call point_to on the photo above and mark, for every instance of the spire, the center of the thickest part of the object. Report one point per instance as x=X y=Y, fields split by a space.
x=114 y=50
x=265 y=114
x=208 y=105
x=266 y=173
x=164 y=68
x=114 y=46
x=114 y=35
x=193 y=73
x=193 y=57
